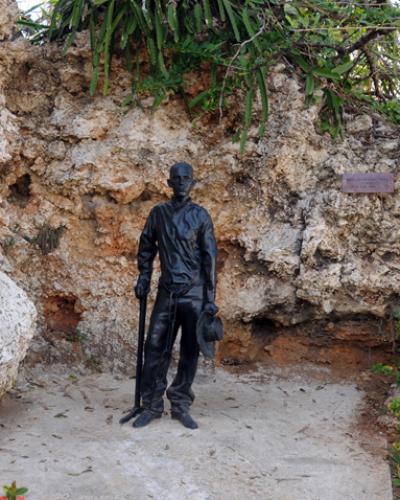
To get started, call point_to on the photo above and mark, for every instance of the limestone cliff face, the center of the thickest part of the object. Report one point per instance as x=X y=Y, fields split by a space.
x=79 y=175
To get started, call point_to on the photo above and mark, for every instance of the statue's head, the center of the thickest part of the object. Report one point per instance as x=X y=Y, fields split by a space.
x=181 y=179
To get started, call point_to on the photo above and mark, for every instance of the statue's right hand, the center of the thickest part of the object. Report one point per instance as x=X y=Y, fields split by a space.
x=141 y=288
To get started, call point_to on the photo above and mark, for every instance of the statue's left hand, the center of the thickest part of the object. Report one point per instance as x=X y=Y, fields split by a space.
x=211 y=308
x=141 y=288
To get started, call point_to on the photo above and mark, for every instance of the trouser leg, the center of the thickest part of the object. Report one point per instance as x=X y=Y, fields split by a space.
x=180 y=391
x=156 y=360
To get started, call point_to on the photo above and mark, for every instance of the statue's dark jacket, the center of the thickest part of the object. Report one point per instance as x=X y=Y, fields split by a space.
x=182 y=233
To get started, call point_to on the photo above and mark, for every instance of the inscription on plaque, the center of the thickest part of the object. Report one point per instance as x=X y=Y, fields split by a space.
x=371 y=182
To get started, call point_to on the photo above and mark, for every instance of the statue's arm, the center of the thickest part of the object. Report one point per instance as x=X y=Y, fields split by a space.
x=209 y=262
x=146 y=254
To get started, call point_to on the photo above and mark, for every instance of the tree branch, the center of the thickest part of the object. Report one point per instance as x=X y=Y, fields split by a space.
x=374 y=71
x=364 y=40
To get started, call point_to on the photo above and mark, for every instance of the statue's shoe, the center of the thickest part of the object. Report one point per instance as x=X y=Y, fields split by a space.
x=145 y=418
x=185 y=419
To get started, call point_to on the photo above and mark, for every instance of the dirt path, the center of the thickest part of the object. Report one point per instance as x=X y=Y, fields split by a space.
x=262 y=436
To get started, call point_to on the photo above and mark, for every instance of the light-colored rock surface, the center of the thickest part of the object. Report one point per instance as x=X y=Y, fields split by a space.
x=17 y=327
x=293 y=248
x=8 y=17
x=262 y=436
x=359 y=123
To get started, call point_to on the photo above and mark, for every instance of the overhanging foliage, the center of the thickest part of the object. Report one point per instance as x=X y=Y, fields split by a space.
x=344 y=50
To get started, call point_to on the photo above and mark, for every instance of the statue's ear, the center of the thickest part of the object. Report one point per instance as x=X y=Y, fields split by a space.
x=194 y=182
x=169 y=182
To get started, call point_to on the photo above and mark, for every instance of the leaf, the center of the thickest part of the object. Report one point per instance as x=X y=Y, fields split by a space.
x=161 y=64
x=129 y=28
x=249 y=27
x=60 y=415
x=213 y=75
x=231 y=16
x=332 y=111
x=198 y=99
x=198 y=17
x=107 y=45
x=128 y=58
x=310 y=85
x=264 y=101
x=70 y=40
x=158 y=100
x=139 y=16
x=92 y=32
x=76 y=14
x=147 y=16
x=343 y=68
x=118 y=18
x=293 y=22
x=207 y=13
x=221 y=10
x=291 y=10
x=31 y=24
x=173 y=20
x=247 y=115
x=325 y=73
x=300 y=61
x=158 y=26
x=21 y=491
x=151 y=48
x=247 y=118
x=75 y=474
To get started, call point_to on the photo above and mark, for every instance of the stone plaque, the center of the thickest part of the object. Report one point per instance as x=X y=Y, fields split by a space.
x=371 y=182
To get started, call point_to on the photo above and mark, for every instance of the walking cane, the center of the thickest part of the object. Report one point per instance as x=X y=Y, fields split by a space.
x=139 y=363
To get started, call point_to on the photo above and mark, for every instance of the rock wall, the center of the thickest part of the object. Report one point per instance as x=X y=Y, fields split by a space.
x=8 y=16
x=79 y=176
x=17 y=327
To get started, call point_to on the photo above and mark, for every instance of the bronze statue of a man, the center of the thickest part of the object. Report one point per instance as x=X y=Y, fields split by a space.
x=182 y=233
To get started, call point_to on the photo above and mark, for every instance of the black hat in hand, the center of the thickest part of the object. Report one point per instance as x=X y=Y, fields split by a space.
x=209 y=329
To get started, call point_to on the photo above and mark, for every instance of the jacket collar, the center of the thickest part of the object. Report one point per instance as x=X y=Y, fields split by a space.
x=177 y=204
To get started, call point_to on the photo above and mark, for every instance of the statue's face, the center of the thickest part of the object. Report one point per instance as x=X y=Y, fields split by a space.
x=181 y=180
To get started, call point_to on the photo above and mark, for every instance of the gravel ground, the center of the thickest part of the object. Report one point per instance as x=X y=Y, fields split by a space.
x=267 y=434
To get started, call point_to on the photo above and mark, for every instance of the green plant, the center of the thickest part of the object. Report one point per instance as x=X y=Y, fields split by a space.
x=396 y=318
x=344 y=51
x=395 y=459
x=394 y=406
x=395 y=463
x=384 y=369
x=47 y=238
x=93 y=364
x=388 y=371
x=8 y=243
x=12 y=491
x=76 y=336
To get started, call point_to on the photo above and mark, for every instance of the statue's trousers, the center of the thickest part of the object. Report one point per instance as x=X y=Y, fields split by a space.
x=171 y=312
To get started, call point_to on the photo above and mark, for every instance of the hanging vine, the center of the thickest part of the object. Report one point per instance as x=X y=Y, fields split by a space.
x=346 y=51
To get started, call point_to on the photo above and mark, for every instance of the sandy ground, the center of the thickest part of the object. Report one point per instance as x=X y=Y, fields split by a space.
x=263 y=435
